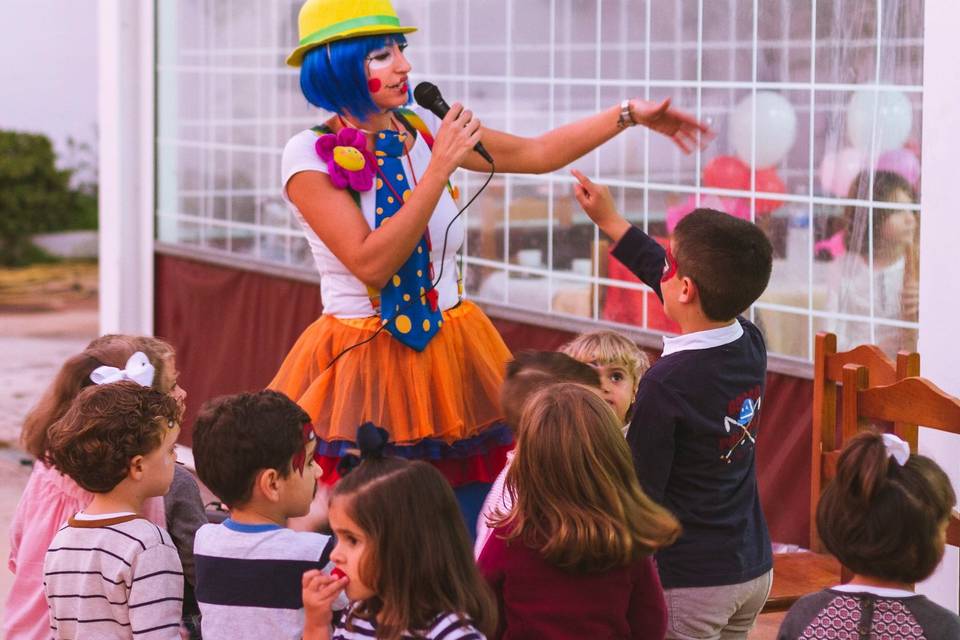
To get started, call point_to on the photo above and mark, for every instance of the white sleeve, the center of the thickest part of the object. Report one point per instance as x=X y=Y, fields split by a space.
x=156 y=593
x=300 y=154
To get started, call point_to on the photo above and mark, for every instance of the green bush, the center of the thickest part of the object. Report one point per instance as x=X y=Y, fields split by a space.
x=36 y=197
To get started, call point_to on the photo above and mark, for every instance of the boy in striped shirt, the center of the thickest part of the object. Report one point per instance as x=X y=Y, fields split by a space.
x=256 y=452
x=110 y=573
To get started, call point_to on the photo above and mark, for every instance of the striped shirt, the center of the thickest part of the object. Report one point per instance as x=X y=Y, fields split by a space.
x=446 y=626
x=249 y=578
x=113 y=576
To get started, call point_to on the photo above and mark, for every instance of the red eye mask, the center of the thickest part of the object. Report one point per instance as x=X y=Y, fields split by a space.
x=670 y=266
x=300 y=457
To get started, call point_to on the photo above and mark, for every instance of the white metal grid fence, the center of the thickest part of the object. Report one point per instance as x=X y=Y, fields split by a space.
x=227 y=105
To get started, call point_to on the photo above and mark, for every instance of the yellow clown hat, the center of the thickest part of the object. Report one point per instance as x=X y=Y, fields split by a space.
x=323 y=21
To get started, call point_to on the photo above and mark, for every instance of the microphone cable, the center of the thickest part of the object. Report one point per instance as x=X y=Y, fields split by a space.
x=443 y=260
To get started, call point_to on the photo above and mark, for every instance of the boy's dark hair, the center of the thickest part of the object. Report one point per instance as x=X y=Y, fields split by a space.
x=237 y=436
x=105 y=427
x=531 y=371
x=881 y=519
x=728 y=258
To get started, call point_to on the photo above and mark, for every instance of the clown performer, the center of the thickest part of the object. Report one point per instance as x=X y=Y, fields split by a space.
x=370 y=187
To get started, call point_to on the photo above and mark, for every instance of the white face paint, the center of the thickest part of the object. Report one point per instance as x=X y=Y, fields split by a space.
x=384 y=58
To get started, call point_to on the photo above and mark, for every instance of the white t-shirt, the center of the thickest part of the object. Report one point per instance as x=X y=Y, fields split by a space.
x=343 y=294
x=850 y=294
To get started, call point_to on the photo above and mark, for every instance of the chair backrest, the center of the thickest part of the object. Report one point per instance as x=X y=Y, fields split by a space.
x=906 y=403
x=827 y=438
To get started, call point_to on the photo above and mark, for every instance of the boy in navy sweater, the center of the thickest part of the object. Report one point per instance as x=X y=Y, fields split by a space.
x=694 y=426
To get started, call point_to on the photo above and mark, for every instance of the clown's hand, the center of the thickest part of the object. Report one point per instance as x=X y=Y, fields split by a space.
x=685 y=130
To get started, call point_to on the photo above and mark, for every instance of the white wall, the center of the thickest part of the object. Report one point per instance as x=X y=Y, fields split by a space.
x=939 y=288
x=48 y=78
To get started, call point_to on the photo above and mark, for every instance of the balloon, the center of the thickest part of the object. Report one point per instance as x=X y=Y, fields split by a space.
x=903 y=162
x=726 y=172
x=776 y=128
x=894 y=119
x=839 y=169
x=682 y=209
x=769 y=182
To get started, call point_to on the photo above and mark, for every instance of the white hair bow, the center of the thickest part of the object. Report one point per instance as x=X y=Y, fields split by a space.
x=897 y=448
x=138 y=369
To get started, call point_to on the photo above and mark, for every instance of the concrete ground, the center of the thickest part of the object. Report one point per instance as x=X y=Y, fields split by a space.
x=38 y=331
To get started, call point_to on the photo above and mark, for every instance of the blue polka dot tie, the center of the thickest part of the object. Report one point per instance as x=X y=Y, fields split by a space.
x=408 y=303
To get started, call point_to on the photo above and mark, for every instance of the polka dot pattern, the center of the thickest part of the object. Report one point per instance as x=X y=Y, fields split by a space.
x=843 y=619
x=409 y=320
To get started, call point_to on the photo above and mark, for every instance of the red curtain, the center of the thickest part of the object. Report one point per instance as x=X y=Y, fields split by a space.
x=232 y=328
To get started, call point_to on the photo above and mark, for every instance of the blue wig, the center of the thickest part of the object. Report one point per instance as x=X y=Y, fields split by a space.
x=334 y=77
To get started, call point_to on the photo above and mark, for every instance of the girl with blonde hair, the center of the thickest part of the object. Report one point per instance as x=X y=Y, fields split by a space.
x=619 y=362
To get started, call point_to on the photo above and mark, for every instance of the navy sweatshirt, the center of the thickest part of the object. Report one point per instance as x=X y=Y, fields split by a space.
x=693 y=438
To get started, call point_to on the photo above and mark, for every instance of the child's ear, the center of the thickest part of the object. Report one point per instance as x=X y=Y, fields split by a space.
x=688 y=290
x=268 y=483
x=135 y=471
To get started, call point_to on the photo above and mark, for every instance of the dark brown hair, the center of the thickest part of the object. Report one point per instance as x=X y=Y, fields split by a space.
x=530 y=371
x=588 y=513
x=402 y=506
x=729 y=259
x=105 y=427
x=110 y=350
x=235 y=437
x=884 y=520
x=886 y=185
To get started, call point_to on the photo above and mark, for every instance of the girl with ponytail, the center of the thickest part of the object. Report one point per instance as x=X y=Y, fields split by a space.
x=884 y=517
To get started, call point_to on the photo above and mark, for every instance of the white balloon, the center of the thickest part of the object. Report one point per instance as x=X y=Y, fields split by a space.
x=776 y=128
x=894 y=119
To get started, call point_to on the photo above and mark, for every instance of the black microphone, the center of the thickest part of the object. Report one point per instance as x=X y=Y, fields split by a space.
x=428 y=96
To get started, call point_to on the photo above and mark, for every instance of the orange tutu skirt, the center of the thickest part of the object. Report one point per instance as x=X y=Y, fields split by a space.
x=449 y=392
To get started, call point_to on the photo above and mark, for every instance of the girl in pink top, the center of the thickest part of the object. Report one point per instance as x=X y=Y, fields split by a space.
x=50 y=497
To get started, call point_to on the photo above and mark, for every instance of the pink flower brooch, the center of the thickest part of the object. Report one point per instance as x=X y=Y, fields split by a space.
x=348 y=161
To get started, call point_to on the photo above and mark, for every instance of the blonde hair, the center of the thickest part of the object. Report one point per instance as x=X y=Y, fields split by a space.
x=607 y=348
x=589 y=512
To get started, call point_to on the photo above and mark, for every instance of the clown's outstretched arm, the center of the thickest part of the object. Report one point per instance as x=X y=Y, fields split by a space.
x=561 y=146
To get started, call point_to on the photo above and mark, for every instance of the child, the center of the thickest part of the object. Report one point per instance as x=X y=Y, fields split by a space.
x=50 y=497
x=529 y=372
x=403 y=555
x=110 y=573
x=620 y=363
x=894 y=246
x=884 y=517
x=696 y=413
x=255 y=451
x=572 y=558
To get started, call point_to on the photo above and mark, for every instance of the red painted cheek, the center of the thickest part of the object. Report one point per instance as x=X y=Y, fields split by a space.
x=374 y=85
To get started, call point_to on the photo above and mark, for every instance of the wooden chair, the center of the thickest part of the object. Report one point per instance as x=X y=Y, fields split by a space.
x=906 y=403
x=797 y=574
x=826 y=439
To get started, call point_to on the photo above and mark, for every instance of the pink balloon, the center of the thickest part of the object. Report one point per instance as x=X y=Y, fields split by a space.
x=728 y=205
x=839 y=169
x=901 y=161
